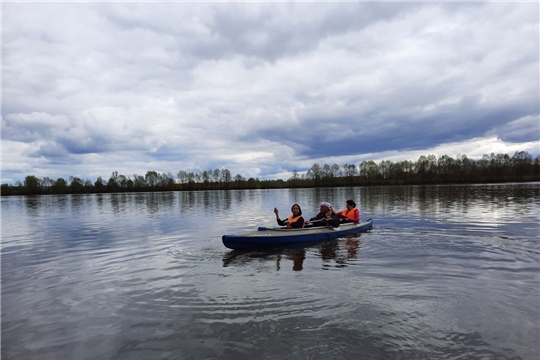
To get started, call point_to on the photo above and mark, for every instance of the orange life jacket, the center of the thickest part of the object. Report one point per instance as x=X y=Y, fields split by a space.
x=349 y=215
x=293 y=219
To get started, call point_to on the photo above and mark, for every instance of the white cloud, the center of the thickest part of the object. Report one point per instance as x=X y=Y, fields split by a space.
x=261 y=88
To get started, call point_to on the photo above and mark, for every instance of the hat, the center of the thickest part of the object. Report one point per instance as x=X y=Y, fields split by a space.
x=327 y=204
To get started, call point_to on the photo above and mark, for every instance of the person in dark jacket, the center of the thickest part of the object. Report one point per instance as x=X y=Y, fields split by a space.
x=294 y=221
x=326 y=216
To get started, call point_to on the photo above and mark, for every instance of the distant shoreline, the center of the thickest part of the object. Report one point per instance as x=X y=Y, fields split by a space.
x=428 y=170
x=46 y=192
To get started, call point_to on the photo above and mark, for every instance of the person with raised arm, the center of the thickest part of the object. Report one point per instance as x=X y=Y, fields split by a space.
x=294 y=221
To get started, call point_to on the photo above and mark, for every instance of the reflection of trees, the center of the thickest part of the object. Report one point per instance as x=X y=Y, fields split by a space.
x=206 y=199
x=225 y=198
x=239 y=195
x=61 y=202
x=187 y=201
x=152 y=202
x=115 y=203
x=140 y=201
x=434 y=200
x=202 y=201
x=76 y=202
x=159 y=201
x=99 y=199
x=33 y=204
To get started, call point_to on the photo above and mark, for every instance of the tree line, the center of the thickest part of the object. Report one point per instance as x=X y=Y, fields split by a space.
x=426 y=170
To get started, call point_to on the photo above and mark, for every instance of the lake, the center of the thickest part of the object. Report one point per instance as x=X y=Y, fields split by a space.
x=448 y=272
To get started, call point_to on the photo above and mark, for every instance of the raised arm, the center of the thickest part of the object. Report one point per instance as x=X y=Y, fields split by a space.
x=279 y=221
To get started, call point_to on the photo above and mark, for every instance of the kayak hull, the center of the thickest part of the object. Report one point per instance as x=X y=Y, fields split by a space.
x=270 y=237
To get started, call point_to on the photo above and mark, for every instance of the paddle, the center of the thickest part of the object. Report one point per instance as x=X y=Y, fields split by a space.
x=263 y=228
x=314 y=221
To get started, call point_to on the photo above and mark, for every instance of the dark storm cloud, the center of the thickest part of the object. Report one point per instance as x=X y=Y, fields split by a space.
x=32 y=127
x=89 y=145
x=368 y=133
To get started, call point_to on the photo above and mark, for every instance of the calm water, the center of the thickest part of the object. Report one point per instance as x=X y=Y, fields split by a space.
x=448 y=272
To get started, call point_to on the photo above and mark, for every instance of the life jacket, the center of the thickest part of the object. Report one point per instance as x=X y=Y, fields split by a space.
x=293 y=219
x=350 y=214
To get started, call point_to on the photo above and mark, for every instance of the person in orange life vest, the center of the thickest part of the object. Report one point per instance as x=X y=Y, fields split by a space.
x=295 y=221
x=326 y=216
x=350 y=213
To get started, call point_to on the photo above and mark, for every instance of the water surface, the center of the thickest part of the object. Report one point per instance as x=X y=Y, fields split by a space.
x=448 y=272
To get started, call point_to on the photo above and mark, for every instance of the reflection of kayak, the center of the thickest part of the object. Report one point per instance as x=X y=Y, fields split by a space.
x=264 y=237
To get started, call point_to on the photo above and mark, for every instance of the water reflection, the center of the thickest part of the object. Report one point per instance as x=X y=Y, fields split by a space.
x=99 y=200
x=340 y=253
x=298 y=258
x=77 y=202
x=33 y=205
x=116 y=203
x=159 y=202
x=280 y=258
x=458 y=199
x=149 y=271
x=332 y=254
x=208 y=201
x=120 y=204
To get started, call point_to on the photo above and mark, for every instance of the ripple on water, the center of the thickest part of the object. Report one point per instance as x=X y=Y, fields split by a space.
x=121 y=277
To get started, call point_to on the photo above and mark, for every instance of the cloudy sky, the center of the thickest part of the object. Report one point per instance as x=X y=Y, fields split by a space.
x=262 y=89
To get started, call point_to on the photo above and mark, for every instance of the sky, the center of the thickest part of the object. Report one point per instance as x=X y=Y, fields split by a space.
x=262 y=88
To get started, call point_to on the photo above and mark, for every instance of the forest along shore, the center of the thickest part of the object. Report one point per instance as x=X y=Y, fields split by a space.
x=428 y=170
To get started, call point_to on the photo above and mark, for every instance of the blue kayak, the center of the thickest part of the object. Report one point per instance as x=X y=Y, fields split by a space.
x=268 y=237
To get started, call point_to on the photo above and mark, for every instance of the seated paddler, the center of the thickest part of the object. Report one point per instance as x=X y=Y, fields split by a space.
x=350 y=214
x=326 y=216
x=294 y=221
